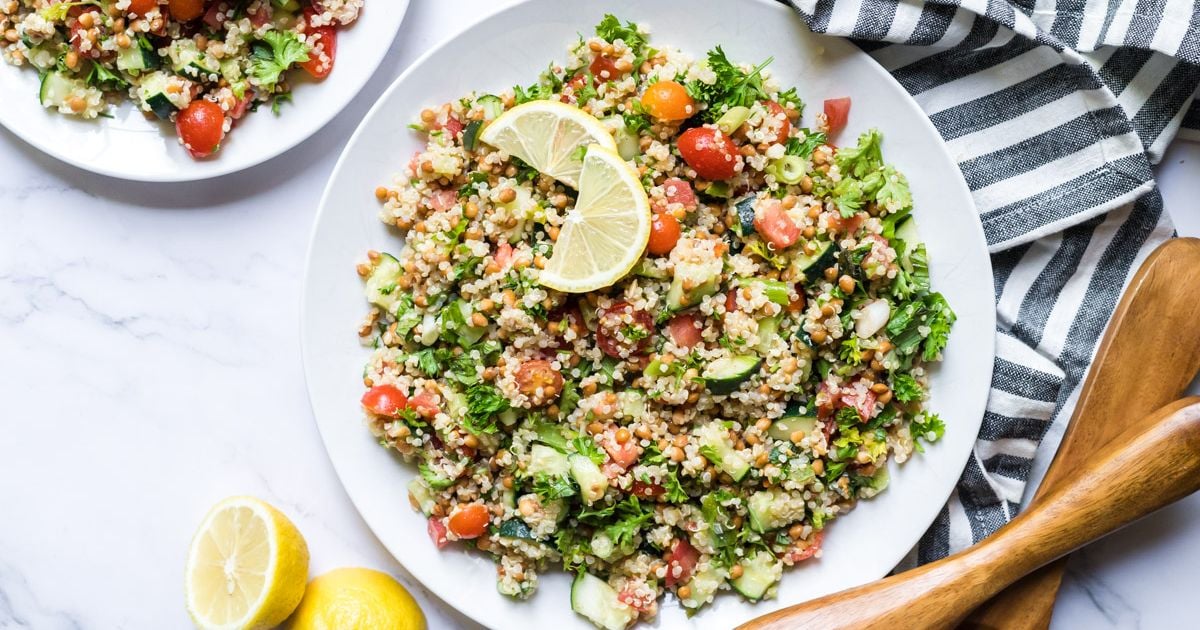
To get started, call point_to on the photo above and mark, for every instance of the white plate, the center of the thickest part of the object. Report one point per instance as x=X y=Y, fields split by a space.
x=130 y=147
x=513 y=46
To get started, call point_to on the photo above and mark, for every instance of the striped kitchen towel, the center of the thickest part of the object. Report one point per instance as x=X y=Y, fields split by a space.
x=1055 y=111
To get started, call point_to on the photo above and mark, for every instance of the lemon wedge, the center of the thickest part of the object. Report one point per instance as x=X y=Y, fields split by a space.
x=548 y=136
x=246 y=568
x=604 y=236
x=357 y=599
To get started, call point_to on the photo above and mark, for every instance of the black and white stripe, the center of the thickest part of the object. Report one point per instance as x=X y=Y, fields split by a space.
x=1056 y=111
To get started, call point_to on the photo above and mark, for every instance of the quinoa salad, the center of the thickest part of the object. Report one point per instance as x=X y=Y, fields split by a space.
x=696 y=425
x=200 y=64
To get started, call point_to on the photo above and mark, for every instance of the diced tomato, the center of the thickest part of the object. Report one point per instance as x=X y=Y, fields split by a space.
x=216 y=14
x=261 y=15
x=837 y=112
x=803 y=550
x=785 y=126
x=575 y=83
x=612 y=469
x=470 y=521
x=603 y=70
x=503 y=254
x=845 y=226
x=322 y=47
x=186 y=10
x=452 y=126
x=711 y=153
x=142 y=7
x=731 y=301
x=641 y=602
x=684 y=330
x=437 y=532
x=862 y=401
x=773 y=222
x=827 y=399
x=425 y=403
x=681 y=561
x=384 y=400
x=624 y=455
x=241 y=106
x=201 y=126
x=621 y=339
x=664 y=234
x=443 y=200
x=679 y=191
x=414 y=163
x=76 y=31
x=647 y=490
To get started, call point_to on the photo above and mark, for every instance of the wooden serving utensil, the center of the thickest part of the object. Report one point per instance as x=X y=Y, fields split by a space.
x=1147 y=359
x=1140 y=471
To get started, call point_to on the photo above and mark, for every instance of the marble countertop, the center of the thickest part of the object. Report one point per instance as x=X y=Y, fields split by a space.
x=149 y=366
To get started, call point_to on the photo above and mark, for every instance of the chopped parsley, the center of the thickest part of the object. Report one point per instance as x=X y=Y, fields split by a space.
x=732 y=87
x=906 y=388
x=272 y=55
x=484 y=403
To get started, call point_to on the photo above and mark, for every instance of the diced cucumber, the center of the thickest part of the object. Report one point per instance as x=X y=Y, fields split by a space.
x=138 y=58
x=716 y=445
x=632 y=403
x=725 y=375
x=516 y=528
x=435 y=479
x=783 y=428
x=471 y=135
x=720 y=190
x=745 y=213
x=187 y=59
x=775 y=290
x=703 y=586
x=42 y=56
x=382 y=286
x=593 y=598
x=231 y=71
x=591 y=480
x=806 y=267
x=56 y=88
x=491 y=105
x=422 y=495
x=152 y=90
x=731 y=120
x=772 y=509
x=875 y=483
x=907 y=232
x=759 y=573
x=548 y=461
x=627 y=139
x=551 y=434
x=455 y=328
x=602 y=546
x=768 y=331
x=693 y=282
x=647 y=269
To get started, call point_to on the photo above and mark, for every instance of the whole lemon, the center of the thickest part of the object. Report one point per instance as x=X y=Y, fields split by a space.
x=356 y=599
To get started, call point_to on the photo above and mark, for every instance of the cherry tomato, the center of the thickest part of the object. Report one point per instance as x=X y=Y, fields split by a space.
x=664 y=233
x=425 y=403
x=437 y=532
x=323 y=47
x=539 y=381
x=647 y=490
x=710 y=152
x=668 y=101
x=780 y=114
x=679 y=191
x=623 y=339
x=681 y=561
x=470 y=521
x=805 y=550
x=186 y=10
x=142 y=7
x=384 y=400
x=202 y=127
x=773 y=222
x=604 y=70
x=837 y=111
x=684 y=330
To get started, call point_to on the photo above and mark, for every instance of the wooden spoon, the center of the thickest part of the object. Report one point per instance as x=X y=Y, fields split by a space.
x=1140 y=471
x=1147 y=359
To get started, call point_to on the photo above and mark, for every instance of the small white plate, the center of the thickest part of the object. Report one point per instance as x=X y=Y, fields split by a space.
x=130 y=147
x=512 y=47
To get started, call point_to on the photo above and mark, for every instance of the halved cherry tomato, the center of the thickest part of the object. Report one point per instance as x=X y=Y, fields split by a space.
x=470 y=521
x=681 y=561
x=201 y=125
x=664 y=233
x=679 y=191
x=773 y=222
x=837 y=112
x=647 y=490
x=780 y=114
x=539 y=381
x=623 y=339
x=710 y=152
x=384 y=400
x=141 y=7
x=603 y=70
x=425 y=403
x=186 y=10
x=668 y=101
x=684 y=330
x=437 y=532
x=322 y=52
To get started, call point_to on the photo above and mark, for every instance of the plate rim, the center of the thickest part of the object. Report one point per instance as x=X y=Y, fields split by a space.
x=959 y=461
x=397 y=6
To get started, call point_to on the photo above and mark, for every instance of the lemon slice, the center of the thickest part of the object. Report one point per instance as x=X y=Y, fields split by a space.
x=548 y=136
x=246 y=568
x=604 y=236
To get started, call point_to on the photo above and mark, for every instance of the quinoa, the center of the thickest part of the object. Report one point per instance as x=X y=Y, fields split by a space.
x=697 y=425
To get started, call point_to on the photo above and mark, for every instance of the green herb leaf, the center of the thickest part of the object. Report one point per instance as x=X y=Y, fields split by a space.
x=484 y=403
x=272 y=55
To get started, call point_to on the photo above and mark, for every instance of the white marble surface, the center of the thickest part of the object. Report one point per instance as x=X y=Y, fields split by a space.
x=149 y=366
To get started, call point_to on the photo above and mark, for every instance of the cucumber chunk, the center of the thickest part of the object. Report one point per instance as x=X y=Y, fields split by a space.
x=591 y=480
x=693 y=282
x=382 y=286
x=56 y=88
x=725 y=375
x=806 y=267
x=718 y=448
x=783 y=428
x=593 y=598
x=772 y=509
x=759 y=573
x=703 y=585
x=516 y=528
x=421 y=495
x=548 y=461
x=745 y=213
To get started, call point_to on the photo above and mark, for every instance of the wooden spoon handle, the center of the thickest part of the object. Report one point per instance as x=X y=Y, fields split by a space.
x=1137 y=473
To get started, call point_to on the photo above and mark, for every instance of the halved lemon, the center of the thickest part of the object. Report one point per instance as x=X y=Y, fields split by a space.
x=604 y=236
x=247 y=566
x=548 y=136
